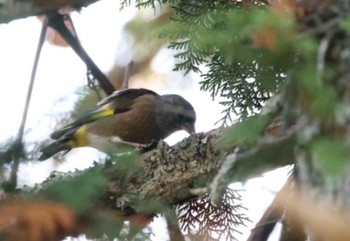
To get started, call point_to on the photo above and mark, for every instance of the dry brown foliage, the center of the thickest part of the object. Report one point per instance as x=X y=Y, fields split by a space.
x=322 y=220
x=35 y=221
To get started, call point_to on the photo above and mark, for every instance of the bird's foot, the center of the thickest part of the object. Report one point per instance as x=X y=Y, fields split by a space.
x=147 y=147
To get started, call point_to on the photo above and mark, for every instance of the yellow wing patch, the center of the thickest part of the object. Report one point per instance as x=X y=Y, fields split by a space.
x=105 y=111
x=80 y=138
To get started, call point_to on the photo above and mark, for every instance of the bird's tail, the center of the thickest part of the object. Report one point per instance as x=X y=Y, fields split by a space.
x=52 y=149
x=75 y=134
x=65 y=142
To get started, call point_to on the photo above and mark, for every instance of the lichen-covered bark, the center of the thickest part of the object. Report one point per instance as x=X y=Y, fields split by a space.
x=172 y=174
x=169 y=173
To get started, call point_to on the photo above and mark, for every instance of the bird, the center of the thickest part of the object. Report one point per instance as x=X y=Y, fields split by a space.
x=132 y=116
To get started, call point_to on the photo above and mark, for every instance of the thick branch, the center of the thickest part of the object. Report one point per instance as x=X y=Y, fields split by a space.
x=170 y=173
x=162 y=177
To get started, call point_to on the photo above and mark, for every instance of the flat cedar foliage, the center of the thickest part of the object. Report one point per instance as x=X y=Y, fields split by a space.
x=281 y=67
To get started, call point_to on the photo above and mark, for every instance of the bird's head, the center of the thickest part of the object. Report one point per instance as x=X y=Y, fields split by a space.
x=178 y=113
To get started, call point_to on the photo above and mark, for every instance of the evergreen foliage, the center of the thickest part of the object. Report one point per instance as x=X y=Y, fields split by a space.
x=218 y=39
x=201 y=220
x=246 y=52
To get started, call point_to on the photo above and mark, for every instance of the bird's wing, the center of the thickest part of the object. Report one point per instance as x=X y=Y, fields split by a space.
x=125 y=96
x=118 y=102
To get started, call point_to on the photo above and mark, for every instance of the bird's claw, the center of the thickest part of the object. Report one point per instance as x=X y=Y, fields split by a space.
x=147 y=147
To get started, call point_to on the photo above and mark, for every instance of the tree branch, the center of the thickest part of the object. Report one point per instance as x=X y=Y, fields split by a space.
x=19 y=140
x=15 y=9
x=164 y=176
x=56 y=21
x=242 y=165
x=170 y=173
x=167 y=174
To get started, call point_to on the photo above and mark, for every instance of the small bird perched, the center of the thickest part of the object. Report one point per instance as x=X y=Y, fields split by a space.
x=131 y=115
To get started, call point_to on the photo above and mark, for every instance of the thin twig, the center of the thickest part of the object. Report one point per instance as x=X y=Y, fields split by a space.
x=19 y=140
x=216 y=186
x=127 y=75
x=321 y=28
x=321 y=55
x=91 y=84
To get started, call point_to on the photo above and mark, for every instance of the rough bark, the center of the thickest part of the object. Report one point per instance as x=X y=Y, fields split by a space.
x=172 y=174
x=168 y=173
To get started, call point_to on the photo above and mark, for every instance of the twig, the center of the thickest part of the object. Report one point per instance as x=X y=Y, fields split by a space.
x=320 y=218
x=321 y=55
x=127 y=75
x=19 y=140
x=273 y=214
x=199 y=191
x=239 y=166
x=90 y=78
x=56 y=21
x=91 y=84
x=174 y=231
x=322 y=27
x=216 y=186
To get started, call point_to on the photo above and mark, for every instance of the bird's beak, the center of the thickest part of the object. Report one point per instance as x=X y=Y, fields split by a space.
x=189 y=128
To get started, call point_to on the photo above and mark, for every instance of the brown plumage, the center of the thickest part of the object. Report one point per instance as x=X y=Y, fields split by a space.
x=133 y=115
